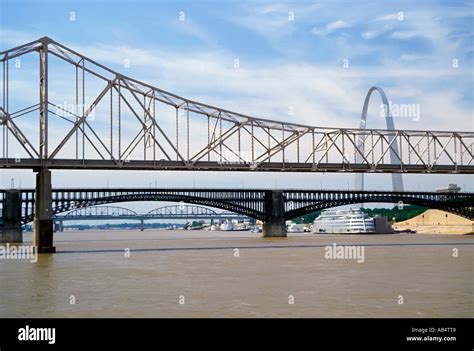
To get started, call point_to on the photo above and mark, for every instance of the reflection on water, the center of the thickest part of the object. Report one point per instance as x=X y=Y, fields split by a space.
x=200 y=270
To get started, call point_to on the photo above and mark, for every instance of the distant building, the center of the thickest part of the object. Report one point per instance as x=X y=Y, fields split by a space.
x=451 y=188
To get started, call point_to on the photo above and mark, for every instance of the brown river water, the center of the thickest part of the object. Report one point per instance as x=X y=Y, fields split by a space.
x=197 y=274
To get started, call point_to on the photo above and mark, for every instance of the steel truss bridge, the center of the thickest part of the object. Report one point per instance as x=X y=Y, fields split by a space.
x=258 y=203
x=180 y=211
x=70 y=112
x=88 y=116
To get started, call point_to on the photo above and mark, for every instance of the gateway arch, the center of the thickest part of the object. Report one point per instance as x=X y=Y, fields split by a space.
x=397 y=180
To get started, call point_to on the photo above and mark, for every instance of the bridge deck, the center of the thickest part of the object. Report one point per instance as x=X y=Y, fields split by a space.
x=92 y=164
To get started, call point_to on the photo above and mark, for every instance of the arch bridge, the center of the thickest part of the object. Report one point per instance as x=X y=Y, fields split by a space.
x=273 y=207
x=181 y=211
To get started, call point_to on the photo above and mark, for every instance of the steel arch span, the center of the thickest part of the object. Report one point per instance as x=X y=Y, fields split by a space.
x=101 y=211
x=465 y=211
x=181 y=211
x=168 y=132
x=221 y=204
x=184 y=210
x=244 y=202
x=298 y=203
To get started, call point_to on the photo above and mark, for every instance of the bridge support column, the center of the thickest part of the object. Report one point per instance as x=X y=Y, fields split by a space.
x=142 y=225
x=274 y=224
x=10 y=228
x=43 y=221
x=58 y=226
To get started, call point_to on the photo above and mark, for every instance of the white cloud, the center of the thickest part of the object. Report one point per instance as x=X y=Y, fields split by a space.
x=268 y=21
x=403 y=35
x=337 y=25
x=331 y=27
x=274 y=21
x=13 y=38
x=389 y=17
x=190 y=27
x=370 y=34
x=374 y=33
x=411 y=57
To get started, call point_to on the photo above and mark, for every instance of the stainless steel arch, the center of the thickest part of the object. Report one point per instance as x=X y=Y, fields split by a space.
x=397 y=180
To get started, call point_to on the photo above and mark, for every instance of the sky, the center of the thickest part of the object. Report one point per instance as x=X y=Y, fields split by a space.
x=319 y=58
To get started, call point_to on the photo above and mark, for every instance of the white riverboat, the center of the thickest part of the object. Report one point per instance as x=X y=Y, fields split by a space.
x=295 y=228
x=343 y=221
x=227 y=226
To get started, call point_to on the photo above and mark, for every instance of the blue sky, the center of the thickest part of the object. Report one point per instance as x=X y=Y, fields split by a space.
x=290 y=54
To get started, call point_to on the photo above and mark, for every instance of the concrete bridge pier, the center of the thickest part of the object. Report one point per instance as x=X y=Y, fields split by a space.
x=274 y=224
x=142 y=225
x=43 y=221
x=10 y=228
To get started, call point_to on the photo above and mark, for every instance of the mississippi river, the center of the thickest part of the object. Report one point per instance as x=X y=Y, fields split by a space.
x=238 y=274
